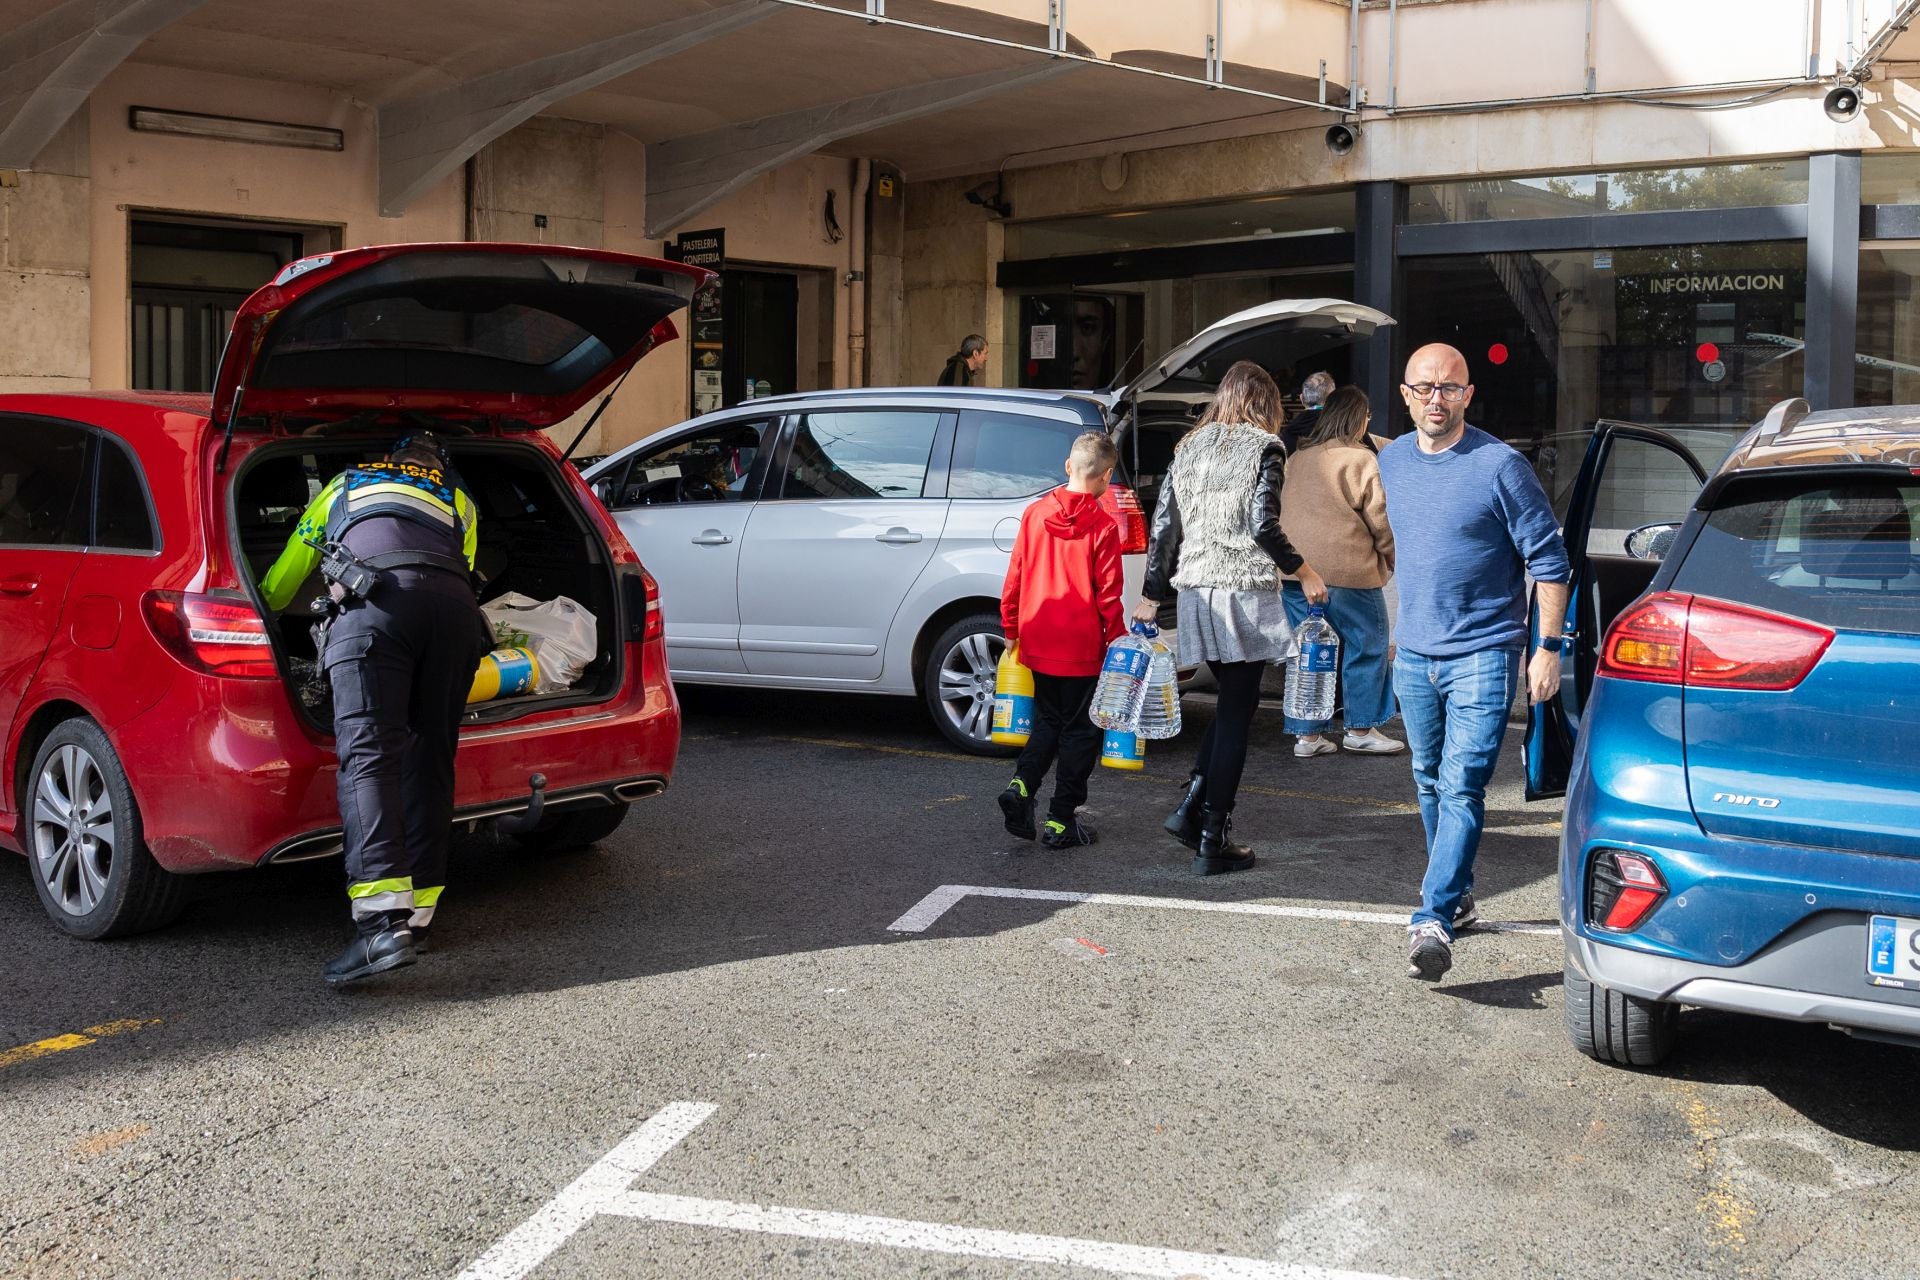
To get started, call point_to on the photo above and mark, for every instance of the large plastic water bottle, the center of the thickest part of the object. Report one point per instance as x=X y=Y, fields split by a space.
x=1314 y=668
x=1160 y=712
x=1123 y=682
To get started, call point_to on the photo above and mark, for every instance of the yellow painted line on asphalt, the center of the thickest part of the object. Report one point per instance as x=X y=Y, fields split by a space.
x=844 y=744
x=1723 y=1213
x=72 y=1040
x=1360 y=802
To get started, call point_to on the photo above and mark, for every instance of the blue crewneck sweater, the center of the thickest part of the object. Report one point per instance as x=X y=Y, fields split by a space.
x=1468 y=524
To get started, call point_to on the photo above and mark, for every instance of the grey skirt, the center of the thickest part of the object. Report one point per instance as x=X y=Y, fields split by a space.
x=1218 y=625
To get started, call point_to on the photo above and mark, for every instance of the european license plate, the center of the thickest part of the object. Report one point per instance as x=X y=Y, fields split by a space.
x=1893 y=951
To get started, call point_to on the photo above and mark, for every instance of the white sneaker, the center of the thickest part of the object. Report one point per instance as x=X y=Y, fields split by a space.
x=1314 y=746
x=1372 y=742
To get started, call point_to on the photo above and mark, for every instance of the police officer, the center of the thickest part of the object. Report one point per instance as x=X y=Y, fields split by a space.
x=405 y=638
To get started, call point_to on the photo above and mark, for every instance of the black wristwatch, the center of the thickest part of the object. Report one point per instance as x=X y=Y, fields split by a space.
x=1553 y=644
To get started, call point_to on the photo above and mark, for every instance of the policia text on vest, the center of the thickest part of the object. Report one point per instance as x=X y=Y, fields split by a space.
x=400 y=655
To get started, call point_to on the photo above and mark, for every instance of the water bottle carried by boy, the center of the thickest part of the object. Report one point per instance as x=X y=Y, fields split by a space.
x=1314 y=669
x=1122 y=690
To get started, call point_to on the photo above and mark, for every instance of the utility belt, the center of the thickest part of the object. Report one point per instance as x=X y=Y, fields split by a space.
x=350 y=577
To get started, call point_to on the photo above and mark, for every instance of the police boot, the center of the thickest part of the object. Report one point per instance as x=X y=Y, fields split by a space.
x=381 y=942
x=1218 y=853
x=1183 y=824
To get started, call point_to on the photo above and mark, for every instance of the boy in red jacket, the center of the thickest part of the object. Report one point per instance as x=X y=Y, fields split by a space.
x=1061 y=607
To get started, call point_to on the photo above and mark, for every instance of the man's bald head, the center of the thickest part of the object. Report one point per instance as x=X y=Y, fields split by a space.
x=1439 y=418
x=1437 y=362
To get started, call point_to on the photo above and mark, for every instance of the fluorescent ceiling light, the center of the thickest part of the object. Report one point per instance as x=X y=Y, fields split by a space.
x=235 y=129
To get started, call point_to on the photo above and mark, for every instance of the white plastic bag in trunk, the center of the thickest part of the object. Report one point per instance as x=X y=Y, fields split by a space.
x=563 y=635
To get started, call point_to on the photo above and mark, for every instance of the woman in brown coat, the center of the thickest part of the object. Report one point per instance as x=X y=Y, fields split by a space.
x=1334 y=511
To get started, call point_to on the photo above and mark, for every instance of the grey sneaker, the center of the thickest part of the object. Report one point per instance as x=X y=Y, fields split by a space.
x=1467 y=914
x=1429 y=953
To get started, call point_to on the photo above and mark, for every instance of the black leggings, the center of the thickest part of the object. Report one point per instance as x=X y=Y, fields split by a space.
x=1223 y=752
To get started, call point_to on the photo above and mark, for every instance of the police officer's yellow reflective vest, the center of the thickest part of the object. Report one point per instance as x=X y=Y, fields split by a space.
x=403 y=490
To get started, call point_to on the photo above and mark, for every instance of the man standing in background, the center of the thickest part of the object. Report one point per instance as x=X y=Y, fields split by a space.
x=965 y=363
x=1313 y=398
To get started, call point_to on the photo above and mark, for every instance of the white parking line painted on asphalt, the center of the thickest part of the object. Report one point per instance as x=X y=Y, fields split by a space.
x=604 y=1189
x=948 y=896
x=969 y=1242
x=533 y=1241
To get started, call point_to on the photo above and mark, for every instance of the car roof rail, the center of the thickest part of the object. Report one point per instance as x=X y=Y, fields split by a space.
x=1781 y=420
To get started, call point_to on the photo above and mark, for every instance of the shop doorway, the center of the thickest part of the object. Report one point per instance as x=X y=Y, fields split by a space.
x=1079 y=341
x=778 y=327
x=187 y=279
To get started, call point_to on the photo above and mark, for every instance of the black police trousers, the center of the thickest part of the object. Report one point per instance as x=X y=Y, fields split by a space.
x=400 y=666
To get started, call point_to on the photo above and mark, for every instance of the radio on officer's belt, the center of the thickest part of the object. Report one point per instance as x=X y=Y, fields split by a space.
x=338 y=565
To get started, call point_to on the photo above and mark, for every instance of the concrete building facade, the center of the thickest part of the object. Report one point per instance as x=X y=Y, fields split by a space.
x=1591 y=197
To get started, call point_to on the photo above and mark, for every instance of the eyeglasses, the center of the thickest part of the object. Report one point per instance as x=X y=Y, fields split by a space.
x=1451 y=392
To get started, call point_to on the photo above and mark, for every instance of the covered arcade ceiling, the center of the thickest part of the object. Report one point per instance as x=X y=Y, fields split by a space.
x=719 y=90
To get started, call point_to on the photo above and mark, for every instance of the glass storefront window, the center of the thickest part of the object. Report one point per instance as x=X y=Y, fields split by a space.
x=1890 y=179
x=1698 y=340
x=1254 y=219
x=1576 y=195
x=1887 y=343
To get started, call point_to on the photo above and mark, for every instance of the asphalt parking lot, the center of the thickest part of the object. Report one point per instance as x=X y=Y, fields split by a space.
x=751 y=1035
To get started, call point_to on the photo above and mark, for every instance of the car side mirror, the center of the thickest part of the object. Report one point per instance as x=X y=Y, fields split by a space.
x=1651 y=541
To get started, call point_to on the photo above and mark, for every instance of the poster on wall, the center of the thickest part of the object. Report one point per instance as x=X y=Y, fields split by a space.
x=705 y=249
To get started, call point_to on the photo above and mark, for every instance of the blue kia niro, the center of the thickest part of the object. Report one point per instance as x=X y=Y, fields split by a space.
x=1738 y=731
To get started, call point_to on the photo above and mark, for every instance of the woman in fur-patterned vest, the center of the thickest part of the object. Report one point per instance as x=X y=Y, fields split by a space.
x=1217 y=541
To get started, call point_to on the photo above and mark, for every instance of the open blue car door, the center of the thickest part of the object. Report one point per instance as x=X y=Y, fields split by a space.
x=1634 y=489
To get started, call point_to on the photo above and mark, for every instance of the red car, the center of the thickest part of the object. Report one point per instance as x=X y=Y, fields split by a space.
x=158 y=721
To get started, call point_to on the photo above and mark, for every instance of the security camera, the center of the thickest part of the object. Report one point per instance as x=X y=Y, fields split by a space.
x=992 y=198
x=1343 y=138
x=1842 y=103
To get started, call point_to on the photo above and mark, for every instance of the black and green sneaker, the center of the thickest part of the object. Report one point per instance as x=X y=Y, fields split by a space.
x=1017 y=804
x=1070 y=834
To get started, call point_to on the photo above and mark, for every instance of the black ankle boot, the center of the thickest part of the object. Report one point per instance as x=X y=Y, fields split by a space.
x=375 y=948
x=1218 y=853
x=1183 y=824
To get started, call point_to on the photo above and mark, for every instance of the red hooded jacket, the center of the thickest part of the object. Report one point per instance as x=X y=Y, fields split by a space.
x=1061 y=602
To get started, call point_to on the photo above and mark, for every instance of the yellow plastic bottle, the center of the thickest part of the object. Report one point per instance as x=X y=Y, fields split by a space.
x=1122 y=750
x=1012 y=701
x=503 y=673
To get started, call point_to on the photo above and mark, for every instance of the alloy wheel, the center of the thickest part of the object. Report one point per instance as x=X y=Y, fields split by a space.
x=967 y=675
x=73 y=830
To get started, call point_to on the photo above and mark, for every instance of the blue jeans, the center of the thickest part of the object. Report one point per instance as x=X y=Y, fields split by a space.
x=1455 y=711
x=1359 y=615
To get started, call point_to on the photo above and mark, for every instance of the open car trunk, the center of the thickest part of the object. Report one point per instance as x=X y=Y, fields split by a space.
x=533 y=540
x=1162 y=404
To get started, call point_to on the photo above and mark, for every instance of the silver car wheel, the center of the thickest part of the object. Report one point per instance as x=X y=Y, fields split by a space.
x=73 y=831
x=967 y=675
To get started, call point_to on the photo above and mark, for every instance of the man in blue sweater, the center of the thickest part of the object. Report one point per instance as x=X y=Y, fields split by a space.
x=1470 y=522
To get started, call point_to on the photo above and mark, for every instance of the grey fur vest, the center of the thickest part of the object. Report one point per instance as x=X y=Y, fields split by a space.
x=1213 y=478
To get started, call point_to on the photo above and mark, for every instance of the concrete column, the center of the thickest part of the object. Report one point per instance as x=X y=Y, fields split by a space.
x=1379 y=209
x=1833 y=277
x=46 y=285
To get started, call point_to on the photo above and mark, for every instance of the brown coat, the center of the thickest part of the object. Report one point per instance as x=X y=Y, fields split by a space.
x=1334 y=511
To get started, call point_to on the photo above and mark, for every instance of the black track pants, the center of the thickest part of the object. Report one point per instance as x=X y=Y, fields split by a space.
x=1062 y=736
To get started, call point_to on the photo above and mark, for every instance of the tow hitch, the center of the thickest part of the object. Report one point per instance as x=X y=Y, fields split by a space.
x=521 y=823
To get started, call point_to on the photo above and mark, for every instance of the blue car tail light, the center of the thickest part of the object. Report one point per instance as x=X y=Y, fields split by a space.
x=1622 y=890
x=1675 y=638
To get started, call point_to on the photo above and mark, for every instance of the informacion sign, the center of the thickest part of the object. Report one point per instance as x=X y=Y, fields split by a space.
x=1041 y=342
x=705 y=249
